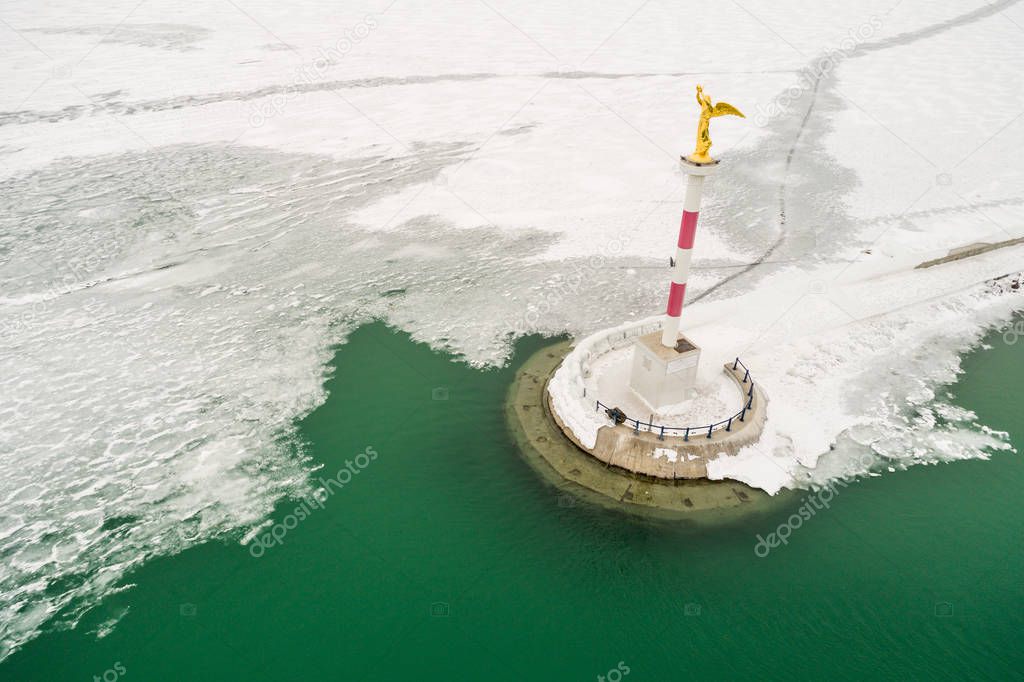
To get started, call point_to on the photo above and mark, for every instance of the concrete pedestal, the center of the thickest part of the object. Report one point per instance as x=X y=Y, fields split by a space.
x=661 y=375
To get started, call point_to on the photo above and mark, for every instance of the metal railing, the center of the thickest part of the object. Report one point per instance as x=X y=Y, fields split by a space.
x=705 y=431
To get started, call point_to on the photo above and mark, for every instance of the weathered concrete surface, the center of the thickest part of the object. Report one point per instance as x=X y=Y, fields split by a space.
x=572 y=469
x=962 y=252
x=634 y=451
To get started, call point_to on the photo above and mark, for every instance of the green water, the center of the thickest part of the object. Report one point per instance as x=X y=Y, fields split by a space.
x=446 y=558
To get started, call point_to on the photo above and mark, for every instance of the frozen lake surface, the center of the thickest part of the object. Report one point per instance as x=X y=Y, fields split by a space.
x=198 y=202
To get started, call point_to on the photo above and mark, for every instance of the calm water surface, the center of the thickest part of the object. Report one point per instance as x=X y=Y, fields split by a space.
x=445 y=557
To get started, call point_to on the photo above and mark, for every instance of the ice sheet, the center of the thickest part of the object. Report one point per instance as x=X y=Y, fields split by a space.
x=198 y=200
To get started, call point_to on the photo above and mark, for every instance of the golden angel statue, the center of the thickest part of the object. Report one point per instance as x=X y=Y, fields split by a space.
x=707 y=112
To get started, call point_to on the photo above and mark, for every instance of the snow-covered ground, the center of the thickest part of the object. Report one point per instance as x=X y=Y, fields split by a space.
x=200 y=198
x=714 y=398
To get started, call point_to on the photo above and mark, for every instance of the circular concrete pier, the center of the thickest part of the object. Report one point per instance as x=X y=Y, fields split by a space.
x=564 y=464
x=682 y=440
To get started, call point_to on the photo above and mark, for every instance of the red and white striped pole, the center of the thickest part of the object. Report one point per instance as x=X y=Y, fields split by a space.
x=684 y=248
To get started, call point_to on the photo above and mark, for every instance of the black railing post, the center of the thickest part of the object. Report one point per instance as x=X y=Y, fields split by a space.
x=746 y=375
x=751 y=391
x=735 y=363
x=743 y=413
x=710 y=428
x=636 y=426
x=686 y=436
x=661 y=436
x=749 y=403
x=728 y=426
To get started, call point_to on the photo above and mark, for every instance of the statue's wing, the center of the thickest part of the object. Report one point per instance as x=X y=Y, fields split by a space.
x=726 y=109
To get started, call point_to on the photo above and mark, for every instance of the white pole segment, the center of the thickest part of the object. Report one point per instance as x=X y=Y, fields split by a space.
x=684 y=251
